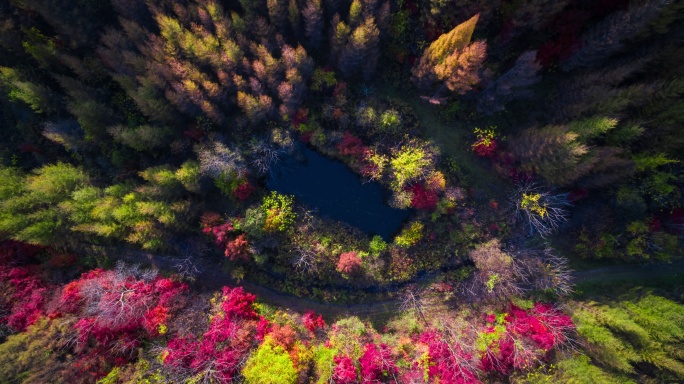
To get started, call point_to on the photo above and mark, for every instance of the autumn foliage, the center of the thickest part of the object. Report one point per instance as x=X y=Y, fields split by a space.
x=520 y=338
x=377 y=364
x=107 y=315
x=349 y=263
x=23 y=296
x=235 y=246
x=117 y=309
x=423 y=198
x=448 y=363
x=23 y=292
x=351 y=145
x=234 y=330
x=344 y=371
x=313 y=322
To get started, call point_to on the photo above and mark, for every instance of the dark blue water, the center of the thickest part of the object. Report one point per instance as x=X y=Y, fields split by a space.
x=336 y=191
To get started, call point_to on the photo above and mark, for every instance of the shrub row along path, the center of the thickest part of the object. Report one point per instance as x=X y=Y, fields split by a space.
x=213 y=278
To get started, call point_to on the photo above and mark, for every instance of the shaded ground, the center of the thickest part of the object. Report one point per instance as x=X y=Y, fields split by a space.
x=630 y=272
x=214 y=278
x=454 y=140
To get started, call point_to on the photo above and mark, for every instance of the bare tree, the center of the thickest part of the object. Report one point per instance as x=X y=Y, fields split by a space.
x=545 y=270
x=188 y=258
x=497 y=276
x=542 y=211
x=304 y=259
x=216 y=159
x=187 y=267
x=264 y=155
x=111 y=301
x=463 y=361
x=412 y=300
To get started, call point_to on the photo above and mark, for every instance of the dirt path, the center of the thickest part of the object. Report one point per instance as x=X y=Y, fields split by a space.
x=626 y=272
x=212 y=279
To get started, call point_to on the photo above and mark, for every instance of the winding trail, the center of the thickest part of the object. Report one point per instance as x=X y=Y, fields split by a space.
x=213 y=279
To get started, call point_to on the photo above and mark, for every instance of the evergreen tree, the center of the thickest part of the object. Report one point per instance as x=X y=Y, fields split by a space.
x=361 y=52
x=610 y=36
x=278 y=14
x=452 y=59
x=513 y=84
x=313 y=22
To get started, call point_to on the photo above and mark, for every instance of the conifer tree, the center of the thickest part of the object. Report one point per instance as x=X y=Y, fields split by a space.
x=534 y=14
x=313 y=22
x=294 y=17
x=513 y=84
x=610 y=36
x=278 y=14
x=452 y=59
x=339 y=33
x=361 y=51
x=39 y=98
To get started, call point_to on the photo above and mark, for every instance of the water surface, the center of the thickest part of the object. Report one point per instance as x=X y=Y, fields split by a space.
x=336 y=191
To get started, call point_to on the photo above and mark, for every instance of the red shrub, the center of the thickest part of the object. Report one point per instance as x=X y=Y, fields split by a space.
x=349 y=263
x=344 y=371
x=311 y=322
x=351 y=145
x=237 y=249
x=284 y=335
x=485 y=147
x=448 y=364
x=116 y=309
x=237 y=304
x=243 y=191
x=234 y=248
x=377 y=364
x=26 y=298
x=423 y=198
x=528 y=336
x=154 y=319
x=229 y=339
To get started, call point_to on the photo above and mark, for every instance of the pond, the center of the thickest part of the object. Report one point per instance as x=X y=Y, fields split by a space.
x=336 y=191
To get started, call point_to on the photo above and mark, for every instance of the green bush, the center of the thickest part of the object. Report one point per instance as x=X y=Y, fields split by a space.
x=377 y=246
x=410 y=235
x=269 y=364
x=279 y=212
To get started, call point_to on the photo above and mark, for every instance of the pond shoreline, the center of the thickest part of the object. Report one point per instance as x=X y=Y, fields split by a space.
x=337 y=192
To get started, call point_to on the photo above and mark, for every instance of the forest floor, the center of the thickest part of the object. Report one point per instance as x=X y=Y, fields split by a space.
x=212 y=278
x=454 y=140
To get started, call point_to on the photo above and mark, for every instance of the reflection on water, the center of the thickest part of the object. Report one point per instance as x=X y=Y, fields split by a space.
x=336 y=191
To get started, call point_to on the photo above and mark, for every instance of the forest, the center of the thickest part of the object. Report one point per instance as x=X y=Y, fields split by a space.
x=341 y=191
